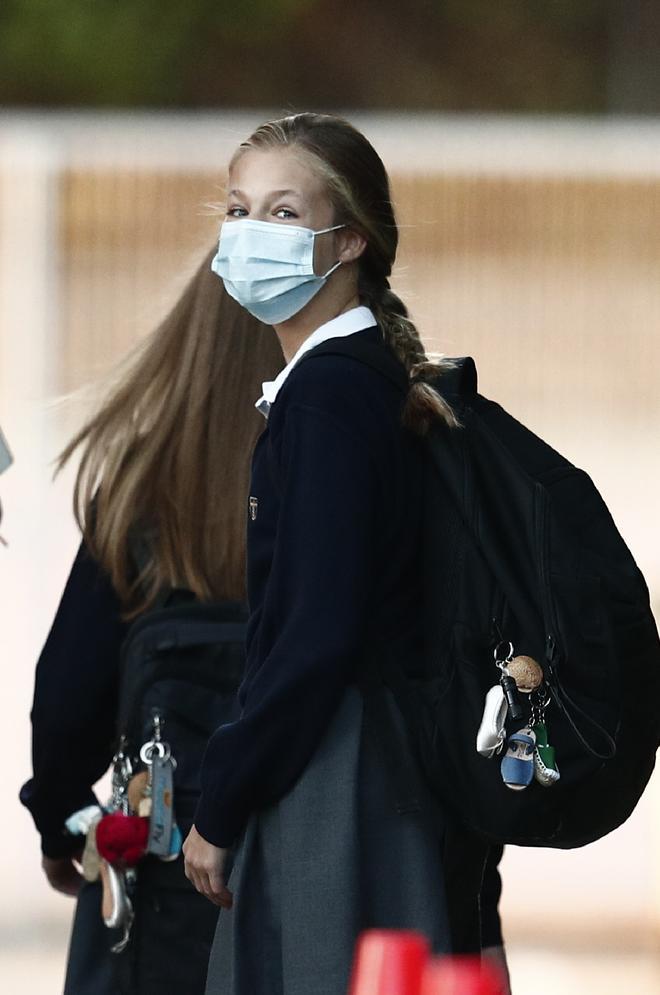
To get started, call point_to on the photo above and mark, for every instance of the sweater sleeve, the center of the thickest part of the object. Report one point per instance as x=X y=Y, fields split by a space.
x=307 y=641
x=75 y=704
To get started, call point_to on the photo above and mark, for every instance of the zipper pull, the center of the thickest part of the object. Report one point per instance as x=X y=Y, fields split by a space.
x=551 y=656
x=496 y=636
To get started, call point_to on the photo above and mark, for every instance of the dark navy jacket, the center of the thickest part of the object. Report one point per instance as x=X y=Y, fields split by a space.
x=74 y=715
x=333 y=540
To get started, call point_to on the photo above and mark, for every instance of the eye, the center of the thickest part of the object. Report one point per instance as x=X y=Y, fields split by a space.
x=285 y=214
x=236 y=212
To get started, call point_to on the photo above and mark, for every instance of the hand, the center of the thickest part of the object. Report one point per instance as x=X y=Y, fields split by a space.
x=62 y=874
x=204 y=867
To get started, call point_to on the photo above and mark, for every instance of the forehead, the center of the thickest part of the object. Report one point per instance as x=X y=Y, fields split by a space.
x=260 y=171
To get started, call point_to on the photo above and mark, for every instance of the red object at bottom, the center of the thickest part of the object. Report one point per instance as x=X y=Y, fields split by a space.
x=389 y=962
x=460 y=976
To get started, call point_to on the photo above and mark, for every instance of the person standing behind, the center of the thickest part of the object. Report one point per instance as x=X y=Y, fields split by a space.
x=166 y=460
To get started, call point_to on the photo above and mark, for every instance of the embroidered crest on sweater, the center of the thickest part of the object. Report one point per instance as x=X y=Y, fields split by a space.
x=254 y=505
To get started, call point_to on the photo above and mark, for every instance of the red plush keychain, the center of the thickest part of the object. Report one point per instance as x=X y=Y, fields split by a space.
x=122 y=839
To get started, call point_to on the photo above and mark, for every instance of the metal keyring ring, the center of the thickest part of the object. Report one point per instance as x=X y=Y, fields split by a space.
x=148 y=749
x=496 y=653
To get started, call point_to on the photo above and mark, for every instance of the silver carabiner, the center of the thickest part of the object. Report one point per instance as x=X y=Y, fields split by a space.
x=501 y=660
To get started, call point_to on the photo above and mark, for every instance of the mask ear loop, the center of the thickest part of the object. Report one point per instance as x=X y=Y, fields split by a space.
x=322 y=231
x=331 y=270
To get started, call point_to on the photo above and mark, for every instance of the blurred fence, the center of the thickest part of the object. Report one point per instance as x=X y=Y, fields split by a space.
x=532 y=245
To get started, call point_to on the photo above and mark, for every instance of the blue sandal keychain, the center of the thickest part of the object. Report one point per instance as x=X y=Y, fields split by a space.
x=517 y=764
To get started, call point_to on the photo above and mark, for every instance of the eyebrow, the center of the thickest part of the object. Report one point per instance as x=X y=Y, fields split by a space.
x=272 y=193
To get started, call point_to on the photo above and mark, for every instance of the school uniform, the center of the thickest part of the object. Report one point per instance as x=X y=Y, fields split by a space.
x=74 y=719
x=298 y=782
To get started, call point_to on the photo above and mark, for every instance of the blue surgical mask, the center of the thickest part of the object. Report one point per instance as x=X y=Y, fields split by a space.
x=268 y=267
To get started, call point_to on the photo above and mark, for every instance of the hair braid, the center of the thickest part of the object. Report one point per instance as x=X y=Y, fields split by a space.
x=424 y=404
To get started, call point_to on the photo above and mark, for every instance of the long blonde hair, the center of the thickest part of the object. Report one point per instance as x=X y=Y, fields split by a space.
x=167 y=455
x=358 y=187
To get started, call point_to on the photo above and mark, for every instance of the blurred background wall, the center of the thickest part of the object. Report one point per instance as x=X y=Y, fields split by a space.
x=525 y=157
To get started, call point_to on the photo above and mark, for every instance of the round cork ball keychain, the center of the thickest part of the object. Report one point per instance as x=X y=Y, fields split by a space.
x=526 y=672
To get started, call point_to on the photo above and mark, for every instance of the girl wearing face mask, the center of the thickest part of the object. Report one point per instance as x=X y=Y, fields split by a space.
x=297 y=785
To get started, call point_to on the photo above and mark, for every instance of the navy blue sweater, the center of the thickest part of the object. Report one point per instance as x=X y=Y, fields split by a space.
x=74 y=714
x=333 y=540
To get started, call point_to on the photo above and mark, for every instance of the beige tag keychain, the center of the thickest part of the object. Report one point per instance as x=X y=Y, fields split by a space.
x=91 y=860
x=139 y=793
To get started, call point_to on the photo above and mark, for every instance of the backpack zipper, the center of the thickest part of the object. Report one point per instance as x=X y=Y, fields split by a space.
x=554 y=652
x=552 y=646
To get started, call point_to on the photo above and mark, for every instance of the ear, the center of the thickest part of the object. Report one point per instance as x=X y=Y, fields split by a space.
x=350 y=244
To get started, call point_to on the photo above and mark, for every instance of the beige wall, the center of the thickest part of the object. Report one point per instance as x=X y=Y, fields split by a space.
x=533 y=247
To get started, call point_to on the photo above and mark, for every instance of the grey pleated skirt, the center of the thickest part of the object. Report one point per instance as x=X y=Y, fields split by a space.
x=329 y=860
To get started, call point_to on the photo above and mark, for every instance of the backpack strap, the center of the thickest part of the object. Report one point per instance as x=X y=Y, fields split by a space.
x=383 y=686
x=460 y=380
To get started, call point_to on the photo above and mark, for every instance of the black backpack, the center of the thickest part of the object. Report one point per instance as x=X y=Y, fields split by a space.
x=182 y=660
x=519 y=547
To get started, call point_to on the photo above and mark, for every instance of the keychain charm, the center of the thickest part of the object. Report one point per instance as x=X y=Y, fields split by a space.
x=115 y=903
x=176 y=842
x=162 y=816
x=491 y=734
x=139 y=793
x=122 y=769
x=546 y=771
x=164 y=836
x=116 y=906
x=91 y=861
x=517 y=765
x=122 y=839
x=526 y=672
x=502 y=661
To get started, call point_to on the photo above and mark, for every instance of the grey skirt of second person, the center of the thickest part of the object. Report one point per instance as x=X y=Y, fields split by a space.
x=331 y=859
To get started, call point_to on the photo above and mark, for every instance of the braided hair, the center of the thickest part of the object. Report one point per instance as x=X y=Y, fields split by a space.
x=359 y=190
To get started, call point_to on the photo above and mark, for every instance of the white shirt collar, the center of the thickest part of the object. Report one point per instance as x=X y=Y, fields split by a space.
x=355 y=320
